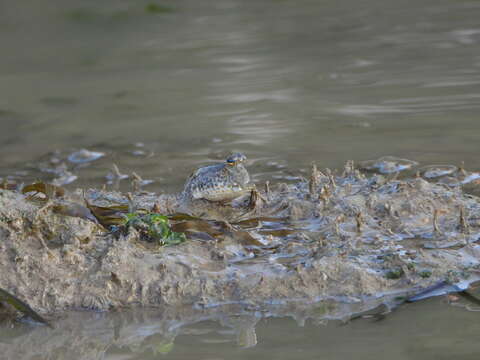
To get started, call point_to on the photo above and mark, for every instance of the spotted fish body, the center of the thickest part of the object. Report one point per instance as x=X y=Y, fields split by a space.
x=220 y=182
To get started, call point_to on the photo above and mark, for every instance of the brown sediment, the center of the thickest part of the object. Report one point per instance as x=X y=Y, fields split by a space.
x=343 y=244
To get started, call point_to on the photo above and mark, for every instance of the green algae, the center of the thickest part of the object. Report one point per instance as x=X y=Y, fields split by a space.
x=154 y=227
x=153 y=8
x=394 y=274
x=425 y=274
x=163 y=349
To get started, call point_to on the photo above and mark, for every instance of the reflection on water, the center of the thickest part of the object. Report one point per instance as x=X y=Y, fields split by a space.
x=428 y=330
x=285 y=82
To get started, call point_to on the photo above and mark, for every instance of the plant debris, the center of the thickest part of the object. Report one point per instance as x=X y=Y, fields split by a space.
x=21 y=306
x=49 y=190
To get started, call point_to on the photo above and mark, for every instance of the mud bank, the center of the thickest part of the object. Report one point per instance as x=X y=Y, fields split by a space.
x=347 y=238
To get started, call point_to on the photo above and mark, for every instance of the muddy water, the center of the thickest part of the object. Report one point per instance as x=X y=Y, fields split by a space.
x=162 y=90
x=428 y=330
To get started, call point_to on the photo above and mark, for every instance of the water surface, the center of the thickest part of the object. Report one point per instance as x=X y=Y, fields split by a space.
x=432 y=329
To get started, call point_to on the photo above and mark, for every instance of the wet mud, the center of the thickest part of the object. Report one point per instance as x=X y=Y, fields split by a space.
x=347 y=238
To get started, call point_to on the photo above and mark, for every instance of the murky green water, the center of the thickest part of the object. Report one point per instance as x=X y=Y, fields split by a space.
x=284 y=81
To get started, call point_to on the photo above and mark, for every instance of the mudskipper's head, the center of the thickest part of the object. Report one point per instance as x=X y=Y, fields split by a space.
x=236 y=159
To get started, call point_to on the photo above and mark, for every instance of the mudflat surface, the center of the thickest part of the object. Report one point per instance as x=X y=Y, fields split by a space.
x=348 y=237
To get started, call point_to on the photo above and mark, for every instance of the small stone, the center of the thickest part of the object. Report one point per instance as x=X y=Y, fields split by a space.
x=388 y=164
x=84 y=156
